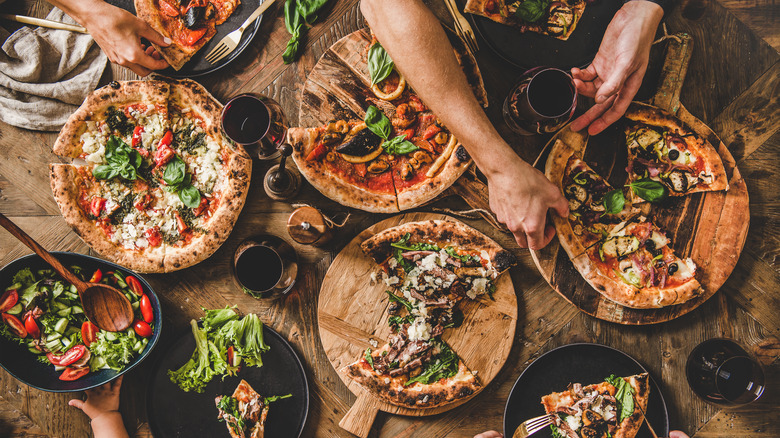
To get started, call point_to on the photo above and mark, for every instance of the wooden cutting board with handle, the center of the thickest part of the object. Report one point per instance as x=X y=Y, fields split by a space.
x=352 y=313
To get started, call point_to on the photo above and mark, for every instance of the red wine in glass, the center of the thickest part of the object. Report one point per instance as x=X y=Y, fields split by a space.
x=721 y=372
x=256 y=122
x=542 y=101
x=265 y=266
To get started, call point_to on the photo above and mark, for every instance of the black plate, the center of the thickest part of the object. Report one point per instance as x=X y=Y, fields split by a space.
x=175 y=413
x=24 y=366
x=581 y=363
x=197 y=66
x=530 y=49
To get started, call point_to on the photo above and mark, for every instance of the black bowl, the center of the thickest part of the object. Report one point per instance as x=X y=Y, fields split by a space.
x=25 y=366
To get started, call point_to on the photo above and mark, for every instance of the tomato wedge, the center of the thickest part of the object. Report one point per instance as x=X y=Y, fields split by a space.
x=230 y=358
x=32 y=327
x=15 y=325
x=142 y=329
x=72 y=355
x=134 y=285
x=71 y=373
x=146 y=309
x=89 y=332
x=54 y=359
x=8 y=300
x=97 y=276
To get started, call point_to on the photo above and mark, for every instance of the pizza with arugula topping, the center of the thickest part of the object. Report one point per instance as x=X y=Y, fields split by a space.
x=153 y=184
x=428 y=268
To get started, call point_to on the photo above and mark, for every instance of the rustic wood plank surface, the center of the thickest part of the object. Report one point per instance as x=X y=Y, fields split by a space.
x=733 y=85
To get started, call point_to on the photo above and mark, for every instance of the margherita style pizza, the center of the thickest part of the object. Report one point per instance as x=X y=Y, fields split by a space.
x=190 y=24
x=557 y=19
x=430 y=267
x=154 y=186
x=612 y=408
x=662 y=148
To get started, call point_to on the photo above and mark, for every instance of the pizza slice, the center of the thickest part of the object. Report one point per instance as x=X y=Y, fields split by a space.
x=245 y=412
x=612 y=408
x=557 y=19
x=664 y=149
x=634 y=266
x=189 y=24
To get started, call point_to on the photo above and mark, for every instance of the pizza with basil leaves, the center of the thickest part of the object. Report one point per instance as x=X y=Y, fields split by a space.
x=428 y=267
x=153 y=184
x=612 y=408
x=557 y=19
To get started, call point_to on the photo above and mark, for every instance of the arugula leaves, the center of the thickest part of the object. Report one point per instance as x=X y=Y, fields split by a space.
x=445 y=365
x=403 y=244
x=369 y=359
x=396 y=321
x=380 y=125
x=274 y=398
x=396 y=298
x=379 y=64
x=532 y=10
x=299 y=15
x=122 y=161
x=624 y=396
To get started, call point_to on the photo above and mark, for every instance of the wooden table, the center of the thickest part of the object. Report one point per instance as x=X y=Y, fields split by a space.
x=733 y=85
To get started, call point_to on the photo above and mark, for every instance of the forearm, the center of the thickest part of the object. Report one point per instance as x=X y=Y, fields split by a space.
x=109 y=425
x=79 y=10
x=416 y=42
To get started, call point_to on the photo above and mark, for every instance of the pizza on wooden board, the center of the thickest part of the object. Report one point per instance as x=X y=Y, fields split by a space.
x=398 y=157
x=557 y=19
x=622 y=255
x=153 y=186
x=429 y=267
x=190 y=24
x=612 y=408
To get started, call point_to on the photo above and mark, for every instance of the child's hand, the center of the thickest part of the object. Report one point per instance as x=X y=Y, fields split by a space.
x=489 y=434
x=100 y=400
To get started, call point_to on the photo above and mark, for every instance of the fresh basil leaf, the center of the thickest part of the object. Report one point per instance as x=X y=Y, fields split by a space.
x=292 y=18
x=308 y=9
x=135 y=158
x=399 y=146
x=127 y=172
x=379 y=63
x=649 y=190
x=175 y=171
x=104 y=172
x=190 y=196
x=378 y=122
x=614 y=201
x=532 y=10
x=369 y=359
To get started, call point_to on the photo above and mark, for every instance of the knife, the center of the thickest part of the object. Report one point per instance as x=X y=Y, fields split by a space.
x=652 y=432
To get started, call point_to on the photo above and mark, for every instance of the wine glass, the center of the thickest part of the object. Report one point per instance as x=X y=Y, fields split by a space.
x=721 y=372
x=541 y=102
x=256 y=122
x=265 y=266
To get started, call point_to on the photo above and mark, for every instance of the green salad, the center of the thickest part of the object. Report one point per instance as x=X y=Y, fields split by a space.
x=43 y=311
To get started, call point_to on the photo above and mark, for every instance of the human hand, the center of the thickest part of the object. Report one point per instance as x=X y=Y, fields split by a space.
x=677 y=434
x=489 y=434
x=119 y=34
x=100 y=400
x=614 y=76
x=520 y=196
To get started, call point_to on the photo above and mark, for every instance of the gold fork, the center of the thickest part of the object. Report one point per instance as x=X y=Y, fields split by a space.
x=462 y=27
x=529 y=427
x=231 y=40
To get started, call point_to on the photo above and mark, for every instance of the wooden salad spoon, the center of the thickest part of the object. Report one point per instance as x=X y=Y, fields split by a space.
x=104 y=305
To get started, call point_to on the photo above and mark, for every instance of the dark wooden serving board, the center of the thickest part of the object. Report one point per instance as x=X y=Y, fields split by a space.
x=711 y=228
x=352 y=311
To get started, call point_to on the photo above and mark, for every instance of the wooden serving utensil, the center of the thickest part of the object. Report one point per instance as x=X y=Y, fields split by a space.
x=104 y=305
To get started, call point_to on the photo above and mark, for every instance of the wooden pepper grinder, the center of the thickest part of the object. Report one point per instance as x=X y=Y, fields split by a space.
x=281 y=183
x=308 y=226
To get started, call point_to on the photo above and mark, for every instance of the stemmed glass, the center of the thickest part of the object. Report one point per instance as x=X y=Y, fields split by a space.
x=256 y=122
x=541 y=102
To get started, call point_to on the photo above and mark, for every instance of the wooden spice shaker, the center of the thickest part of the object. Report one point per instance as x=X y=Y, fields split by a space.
x=308 y=226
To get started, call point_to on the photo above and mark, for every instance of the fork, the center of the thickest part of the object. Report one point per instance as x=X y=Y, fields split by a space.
x=231 y=40
x=529 y=427
x=462 y=28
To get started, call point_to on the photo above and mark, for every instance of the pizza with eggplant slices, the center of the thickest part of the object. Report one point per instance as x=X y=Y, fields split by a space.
x=557 y=19
x=190 y=24
x=153 y=186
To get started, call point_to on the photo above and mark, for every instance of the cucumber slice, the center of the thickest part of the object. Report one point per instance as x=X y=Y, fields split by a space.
x=121 y=284
x=144 y=341
x=77 y=310
x=59 y=305
x=17 y=309
x=59 y=367
x=67 y=343
x=71 y=330
x=34 y=350
x=61 y=325
x=73 y=290
x=136 y=305
x=119 y=276
x=111 y=336
x=53 y=337
x=54 y=346
x=16 y=286
x=138 y=346
x=59 y=288
x=64 y=312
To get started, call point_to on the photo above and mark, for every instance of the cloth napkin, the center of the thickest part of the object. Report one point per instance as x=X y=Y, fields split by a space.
x=45 y=74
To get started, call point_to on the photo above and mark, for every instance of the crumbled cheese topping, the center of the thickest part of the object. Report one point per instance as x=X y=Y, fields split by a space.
x=419 y=330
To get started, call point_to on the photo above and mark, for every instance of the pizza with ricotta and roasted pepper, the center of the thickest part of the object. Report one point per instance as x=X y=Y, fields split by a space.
x=153 y=184
x=428 y=267
x=190 y=24
x=557 y=19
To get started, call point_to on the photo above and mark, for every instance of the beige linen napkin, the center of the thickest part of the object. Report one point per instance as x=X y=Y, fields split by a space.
x=45 y=74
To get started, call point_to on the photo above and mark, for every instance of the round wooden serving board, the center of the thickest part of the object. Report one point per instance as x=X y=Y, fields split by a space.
x=710 y=228
x=352 y=310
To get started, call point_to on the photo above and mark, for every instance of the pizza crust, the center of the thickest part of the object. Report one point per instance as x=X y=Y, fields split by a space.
x=507 y=17
x=429 y=188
